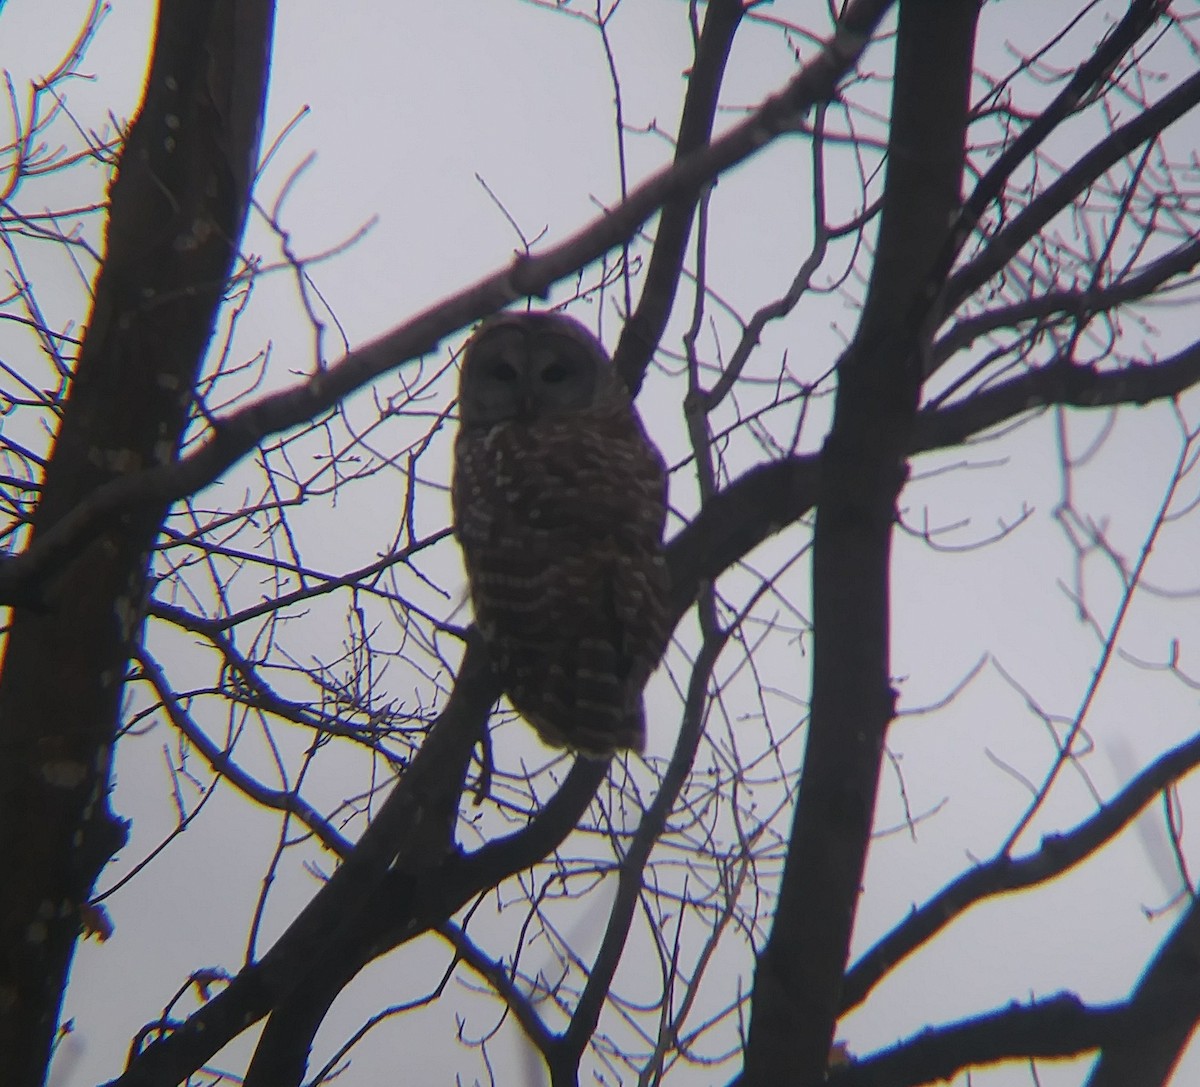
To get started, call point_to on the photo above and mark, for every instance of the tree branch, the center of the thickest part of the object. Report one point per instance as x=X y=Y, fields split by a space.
x=222 y=762
x=1074 y=304
x=1058 y=854
x=1147 y=1057
x=1058 y=383
x=564 y=1058
x=238 y=433
x=1060 y=1026
x=413 y=829
x=1001 y=248
x=644 y=328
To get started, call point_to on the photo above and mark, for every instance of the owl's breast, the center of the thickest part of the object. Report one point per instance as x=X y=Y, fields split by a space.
x=561 y=483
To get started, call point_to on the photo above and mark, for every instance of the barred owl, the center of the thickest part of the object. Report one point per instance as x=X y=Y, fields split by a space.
x=559 y=505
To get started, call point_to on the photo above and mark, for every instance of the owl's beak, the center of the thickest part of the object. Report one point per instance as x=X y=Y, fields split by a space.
x=525 y=404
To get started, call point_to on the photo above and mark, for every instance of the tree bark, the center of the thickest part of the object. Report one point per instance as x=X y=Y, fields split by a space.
x=799 y=972
x=177 y=209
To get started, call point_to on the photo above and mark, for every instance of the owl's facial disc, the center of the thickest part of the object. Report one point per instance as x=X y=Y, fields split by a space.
x=526 y=375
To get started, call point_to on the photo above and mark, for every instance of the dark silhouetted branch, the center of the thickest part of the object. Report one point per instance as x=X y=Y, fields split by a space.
x=1070 y=184
x=238 y=433
x=644 y=328
x=1167 y=1000
x=1057 y=1027
x=1056 y=384
x=1003 y=874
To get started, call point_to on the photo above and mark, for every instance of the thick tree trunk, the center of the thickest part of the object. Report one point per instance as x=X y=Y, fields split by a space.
x=799 y=972
x=177 y=210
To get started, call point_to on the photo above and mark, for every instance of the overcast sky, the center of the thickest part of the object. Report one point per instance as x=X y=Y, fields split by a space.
x=414 y=112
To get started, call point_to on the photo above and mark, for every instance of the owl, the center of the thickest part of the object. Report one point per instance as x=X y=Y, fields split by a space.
x=559 y=505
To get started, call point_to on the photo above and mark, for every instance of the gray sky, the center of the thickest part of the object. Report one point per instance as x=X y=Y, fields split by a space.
x=408 y=107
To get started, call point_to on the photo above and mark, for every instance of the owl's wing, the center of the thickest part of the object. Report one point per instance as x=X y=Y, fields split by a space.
x=561 y=528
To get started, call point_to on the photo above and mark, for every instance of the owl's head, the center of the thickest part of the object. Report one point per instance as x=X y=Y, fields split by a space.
x=530 y=366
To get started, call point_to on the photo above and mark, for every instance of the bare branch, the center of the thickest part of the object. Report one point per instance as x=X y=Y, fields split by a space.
x=221 y=762
x=1060 y=1026
x=1003 y=873
x=1056 y=384
x=238 y=433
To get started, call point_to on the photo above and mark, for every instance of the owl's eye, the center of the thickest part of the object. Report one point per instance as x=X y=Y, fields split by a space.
x=554 y=373
x=504 y=371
